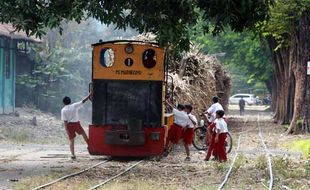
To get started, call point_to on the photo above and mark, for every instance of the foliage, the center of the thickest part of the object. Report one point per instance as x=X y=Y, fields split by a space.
x=246 y=56
x=58 y=72
x=168 y=19
x=64 y=64
x=284 y=18
x=238 y=14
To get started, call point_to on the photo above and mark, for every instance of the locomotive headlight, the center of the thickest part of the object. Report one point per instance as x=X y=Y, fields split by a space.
x=129 y=49
x=149 y=58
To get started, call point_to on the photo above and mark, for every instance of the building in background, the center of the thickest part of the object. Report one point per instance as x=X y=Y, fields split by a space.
x=13 y=61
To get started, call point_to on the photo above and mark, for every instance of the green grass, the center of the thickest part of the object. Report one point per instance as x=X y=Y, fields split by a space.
x=302 y=145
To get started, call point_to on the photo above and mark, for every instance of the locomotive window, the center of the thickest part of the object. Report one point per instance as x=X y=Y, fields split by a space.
x=107 y=57
x=117 y=102
x=149 y=58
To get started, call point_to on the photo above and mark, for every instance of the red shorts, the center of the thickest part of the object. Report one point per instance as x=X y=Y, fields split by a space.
x=188 y=135
x=175 y=133
x=73 y=128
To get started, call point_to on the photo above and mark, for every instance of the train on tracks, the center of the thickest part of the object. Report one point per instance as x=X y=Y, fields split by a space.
x=128 y=105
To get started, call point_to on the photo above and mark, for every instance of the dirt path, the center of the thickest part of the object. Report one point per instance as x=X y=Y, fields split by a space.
x=30 y=165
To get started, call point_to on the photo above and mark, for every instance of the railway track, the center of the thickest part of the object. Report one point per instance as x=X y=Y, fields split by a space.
x=115 y=176
x=109 y=179
x=267 y=153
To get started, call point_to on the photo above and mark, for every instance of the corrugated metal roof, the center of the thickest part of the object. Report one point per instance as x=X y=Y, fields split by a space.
x=9 y=31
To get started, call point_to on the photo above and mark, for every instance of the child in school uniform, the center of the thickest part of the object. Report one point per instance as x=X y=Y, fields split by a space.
x=217 y=144
x=175 y=131
x=188 y=132
x=70 y=117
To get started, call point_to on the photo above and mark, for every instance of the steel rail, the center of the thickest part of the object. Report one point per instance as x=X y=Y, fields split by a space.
x=69 y=175
x=115 y=176
x=267 y=155
x=234 y=159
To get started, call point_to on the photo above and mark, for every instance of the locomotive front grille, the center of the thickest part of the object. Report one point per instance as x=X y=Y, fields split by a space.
x=125 y=137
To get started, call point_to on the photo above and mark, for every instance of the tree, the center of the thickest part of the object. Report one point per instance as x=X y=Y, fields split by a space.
x=299 y=56
x=246 y=56
x=168 y=19
x=287 y=34
x=64 y=64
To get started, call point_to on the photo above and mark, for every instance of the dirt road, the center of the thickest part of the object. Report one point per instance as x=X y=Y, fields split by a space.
x=25 y=166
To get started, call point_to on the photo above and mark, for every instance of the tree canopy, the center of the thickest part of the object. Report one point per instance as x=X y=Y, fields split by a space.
x=168 y=19
x=284 y=19
x=245 y=55
x=63 y=64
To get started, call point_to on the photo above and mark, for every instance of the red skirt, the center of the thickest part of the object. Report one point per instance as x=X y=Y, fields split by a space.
x=73 y=128
x=188 y=135
x=175 y=133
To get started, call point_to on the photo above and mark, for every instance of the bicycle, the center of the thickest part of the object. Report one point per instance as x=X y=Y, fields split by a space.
x=200 y=138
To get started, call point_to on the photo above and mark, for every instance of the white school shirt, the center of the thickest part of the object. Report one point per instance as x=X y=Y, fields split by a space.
x=221 y=125
x=180 y=118
x=192 y=118
x=212 y=110
x=70 y=113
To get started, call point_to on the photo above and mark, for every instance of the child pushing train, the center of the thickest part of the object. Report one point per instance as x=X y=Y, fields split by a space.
x=70 y=117
x=182 y=128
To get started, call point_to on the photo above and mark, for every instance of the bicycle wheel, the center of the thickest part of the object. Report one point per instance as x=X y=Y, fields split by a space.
x=199 y=141
x=228 y=143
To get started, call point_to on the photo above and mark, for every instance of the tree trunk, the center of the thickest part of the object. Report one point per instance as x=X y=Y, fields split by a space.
x=282 y=97
x=299 y=56
x=306 y=108
x=274 y=88
x=271 y=85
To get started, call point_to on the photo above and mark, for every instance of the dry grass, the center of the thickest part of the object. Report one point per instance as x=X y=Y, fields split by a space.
x=32 y=182
x=138 y=185
x=240 y=161
x=291 y=173
x=261 y=162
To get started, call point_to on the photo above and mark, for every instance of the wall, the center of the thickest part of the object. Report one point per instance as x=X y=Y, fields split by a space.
x=7 y=75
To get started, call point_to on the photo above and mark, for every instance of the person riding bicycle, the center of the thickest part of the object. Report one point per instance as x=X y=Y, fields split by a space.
x=211 y=111
x=217 y=144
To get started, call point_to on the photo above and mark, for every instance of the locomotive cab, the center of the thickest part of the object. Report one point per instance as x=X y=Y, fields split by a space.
x=128 y=82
